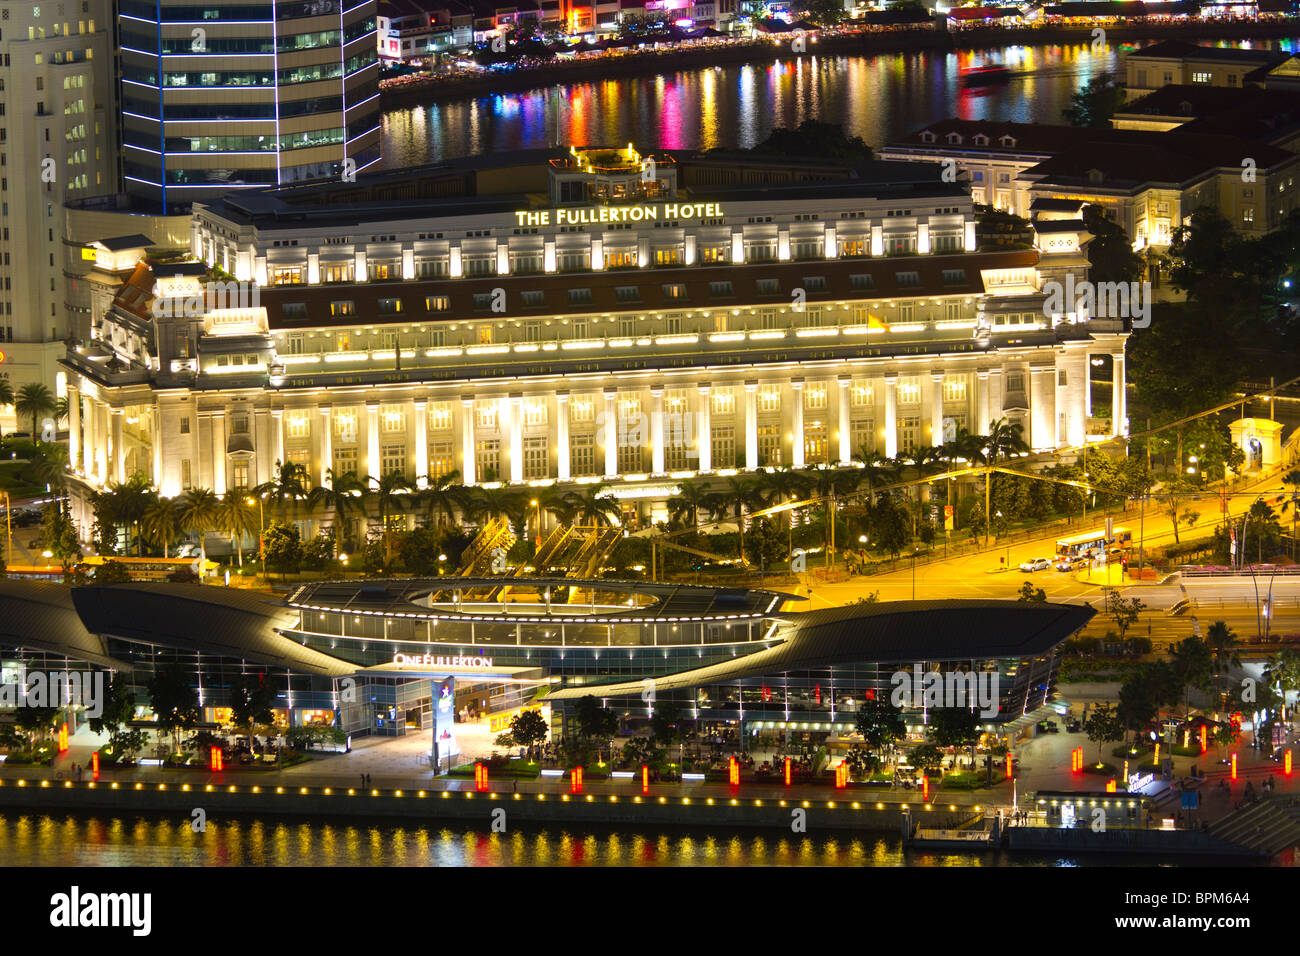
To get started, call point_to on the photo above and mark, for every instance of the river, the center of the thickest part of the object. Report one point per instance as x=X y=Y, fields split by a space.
x=876 y=97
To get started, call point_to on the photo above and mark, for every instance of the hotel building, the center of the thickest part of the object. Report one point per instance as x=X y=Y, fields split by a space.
x=245 y=94
x=582 y=316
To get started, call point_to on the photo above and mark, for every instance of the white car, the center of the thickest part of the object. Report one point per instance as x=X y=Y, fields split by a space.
x=1035 y=564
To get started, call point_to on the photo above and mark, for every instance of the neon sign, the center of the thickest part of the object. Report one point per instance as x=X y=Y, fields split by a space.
x=431 y=660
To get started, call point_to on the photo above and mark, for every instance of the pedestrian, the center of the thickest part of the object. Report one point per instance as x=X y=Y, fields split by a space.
x=363 y=780
x=516 y=785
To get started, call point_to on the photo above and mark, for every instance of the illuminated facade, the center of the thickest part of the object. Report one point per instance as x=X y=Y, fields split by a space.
x=600 y=316
x=245 y=94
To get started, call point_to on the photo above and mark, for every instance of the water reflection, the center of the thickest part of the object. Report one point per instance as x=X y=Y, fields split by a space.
x=878 y=98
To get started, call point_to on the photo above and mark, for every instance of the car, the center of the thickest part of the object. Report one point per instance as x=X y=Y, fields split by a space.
x=1070 y=564
x=36 y=543
x=1035 y=564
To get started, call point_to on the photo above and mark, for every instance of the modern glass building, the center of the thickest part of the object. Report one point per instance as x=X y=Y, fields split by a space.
x=229 y=94
x=377 y=656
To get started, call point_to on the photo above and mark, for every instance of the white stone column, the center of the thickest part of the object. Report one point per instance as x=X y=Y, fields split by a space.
x=74 y=428
x=420 y=422
x=277 y=436
x=119 y=458
x=563 y=470
x=88 y=439
x=371 y=425
x=611 y=433
x=796 y=424
x=515 y=409
x=467 y=439
x=704 y=430
x=936 y=408
x=219 y=451
x=326 y=445
x=845 y=422
x=1119 y=398
x=1039 y=426
x=657 y=429
x=1087 y=387
x=751 y=425
x=982 y=418
x=891 y=415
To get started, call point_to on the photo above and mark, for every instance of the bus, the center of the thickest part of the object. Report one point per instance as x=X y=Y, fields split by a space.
x=152 y=569
x=1093 y=544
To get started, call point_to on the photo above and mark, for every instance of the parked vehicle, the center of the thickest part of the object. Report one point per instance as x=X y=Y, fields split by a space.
x=1035 y=564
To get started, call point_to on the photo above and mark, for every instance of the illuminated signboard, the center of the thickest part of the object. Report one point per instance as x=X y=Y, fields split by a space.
x=644 y=213
x=432 y=660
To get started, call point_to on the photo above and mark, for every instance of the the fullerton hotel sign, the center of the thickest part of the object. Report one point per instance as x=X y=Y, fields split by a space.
x=645 y=213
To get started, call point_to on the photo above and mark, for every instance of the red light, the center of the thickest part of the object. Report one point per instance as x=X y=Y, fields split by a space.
x=1076 y=760
x=94 y=765
x=1110 y=785
x=767 y=694
x=870 y=695
x=841 y=776
x=1286 y=763
x=733 y=772
x=575 y=780
x=787 y=771
x=1203 y=738
x=645 y=779
x=481 y=777
x=1234 y=767
x=925 y=787
x=817 y=693
x=1011 y=765
x=63 y=739
x=215 y=759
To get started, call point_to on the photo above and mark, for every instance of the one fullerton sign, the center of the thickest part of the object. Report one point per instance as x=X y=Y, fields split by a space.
x=432 y=660
x=652 y=213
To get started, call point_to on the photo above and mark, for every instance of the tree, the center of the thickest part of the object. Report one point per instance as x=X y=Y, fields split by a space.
x=1192 y=665
x=48 y=465
x=6 y=392
x=665 y=723
x=198 y=515
x=286 y=487
x=391 y=498
x=112 y=572
x=1031 y=594
x=444 y=497
x=419 y=550
x=825 y=141
x=1282 y=672
x=861 y=762
x=1104 y=725
x=881 y=724
x=1110 y=251
x=766 y=546
x=595 y=505
x=1124 y=611
x=251 y=701
x=175 y=702
x=36 y=722
x=1096 y=103
x=283 y=547
x=60 y=533
x=1222 y=642
x=34 y=399
x=528 y=728
x=237 y=516
x=161 y=523
x=685 y=506
x=925 y=757
x=592 y=720
x=342 y=495
x=890 y=525
x=1141 y=696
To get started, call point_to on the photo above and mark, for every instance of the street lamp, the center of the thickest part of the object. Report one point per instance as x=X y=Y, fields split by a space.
x=915 y=551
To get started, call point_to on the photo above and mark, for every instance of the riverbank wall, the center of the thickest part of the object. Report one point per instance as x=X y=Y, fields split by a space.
x=1153 y=844
x=421 y=91
x=474 y=809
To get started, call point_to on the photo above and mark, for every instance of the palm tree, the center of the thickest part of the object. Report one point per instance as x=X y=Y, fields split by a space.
x=1005 y=440
x=562 y=504
x=594 y=505
x=487 y=503
x=287 y=486
x=237 y=516
x=199 y=515
x=345 y=493
x=1222 y=641
x=124 y=504
x=684 y=507
x=6 y=392
x=444 y=496
x=781 y=485
x=34 y=399
x=876 y=470
x=391 y=498
x=741 y=493
x=1283 y=672
x=161 y=523
x=1291 y=503
x=48 y=466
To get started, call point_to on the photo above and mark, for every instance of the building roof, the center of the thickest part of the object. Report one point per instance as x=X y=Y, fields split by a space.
x=1182 y=50
x=43 y=617
x=1046 y=204
x=897 y=632
x=1127 y=158
x=722 y=286
x=120 y=243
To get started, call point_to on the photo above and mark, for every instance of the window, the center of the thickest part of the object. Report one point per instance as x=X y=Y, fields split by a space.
x=345 y=426
x=482 y=301
x=239 y=423
x=909 y=432
x=814 y=397
x=392 y=458
x=536 y=457
x=343 y=307
x=814 y=283
x=862 y=436
x=674 y=291
x=485 y=414
x=908 y=392
x=769 y=445
x=862 y=281
x=668 y=257
x=860 y=395
x=440 y=459
x=582 y=455
x=389 y=306
x=673 y=324
x=628 y=293
x=954 y=276
x=185 y=474
x=485 y=335
x=907 y=280
x=714 y=254
x=723 y=400
x=579 y=296
x=185 y=424
x=767 y=286
x=239 y=473
x=723 y=446
x=392 y=420
x=440 y=416
x=291 y=276
x=1015 y=382
x=535 y=413
x=769 y=398
x=582 y=411
x=533 y=298
x=767 y=319
x=487 y=459
x=298 y=425
x=814 y=443
x=720 y=290
x=954 y=389
x=1062 y=379
x=624 y=259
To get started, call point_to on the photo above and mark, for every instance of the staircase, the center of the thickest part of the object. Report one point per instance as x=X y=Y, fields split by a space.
x=576 y=551
x=1268 y=826
x=478 y=557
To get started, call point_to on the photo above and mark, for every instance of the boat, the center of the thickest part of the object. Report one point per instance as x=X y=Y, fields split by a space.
x=985 y=76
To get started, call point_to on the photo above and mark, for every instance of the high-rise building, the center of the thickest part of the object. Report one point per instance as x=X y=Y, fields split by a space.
x=218 y=95
x=56 y=144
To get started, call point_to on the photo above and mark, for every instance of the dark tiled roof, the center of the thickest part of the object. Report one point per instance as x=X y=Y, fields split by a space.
x=1181 y=50
x=118 y=243
x=697 y=280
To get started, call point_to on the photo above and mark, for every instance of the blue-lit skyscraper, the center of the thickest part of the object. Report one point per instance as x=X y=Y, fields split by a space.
x=226 y=94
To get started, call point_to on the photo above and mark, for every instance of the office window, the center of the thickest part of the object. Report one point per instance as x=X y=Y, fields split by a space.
x=769 y=398
x=485 y=414
x=582 y=455
x=724 y=446
x=392 y=419
x=345 y=426
x=440 y=416
x=392 y=458
x=723 y=400
x=239 y=473
x=536 y=458
x=440 y=459
x=487 y=459
x=769 y=445
x=185 y=474
x=298 y=424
